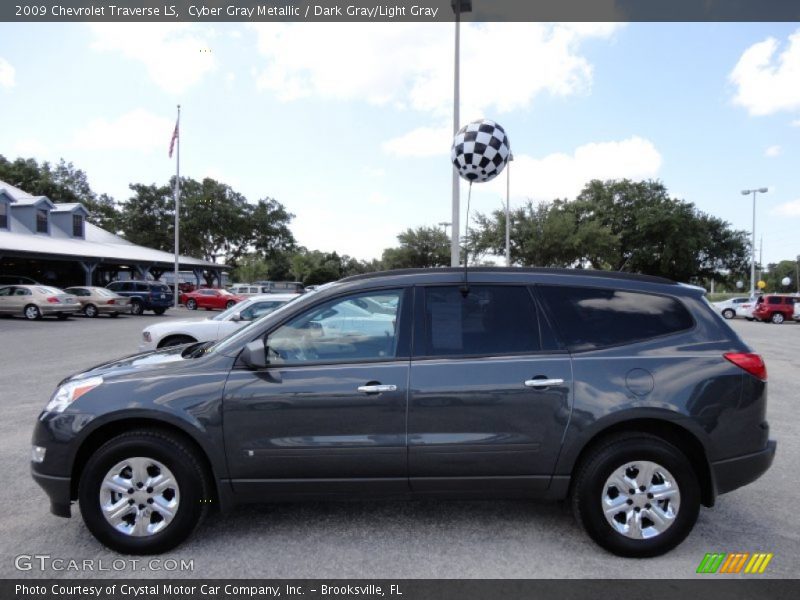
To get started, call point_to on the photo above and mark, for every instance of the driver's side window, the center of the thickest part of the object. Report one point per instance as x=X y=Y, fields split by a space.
x=357 y=327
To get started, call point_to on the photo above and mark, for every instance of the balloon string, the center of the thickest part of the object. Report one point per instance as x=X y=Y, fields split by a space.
x=465 y=289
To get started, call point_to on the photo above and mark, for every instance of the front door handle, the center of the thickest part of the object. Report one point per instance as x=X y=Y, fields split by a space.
x=376 y=388
x=542 y=383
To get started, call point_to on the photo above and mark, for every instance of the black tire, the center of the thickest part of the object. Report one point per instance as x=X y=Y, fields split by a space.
x=32 y=312
x=594 y=471
x=137 y=308
x=191 y=304
x=90 y=310
x=229 y=304
x=172 y=452
x=176 y=340
x=159 y=311
x=750 y=318
x=729 y=313
x=777 y=318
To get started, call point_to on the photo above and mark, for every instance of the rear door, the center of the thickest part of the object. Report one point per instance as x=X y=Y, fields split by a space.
x=490 y=391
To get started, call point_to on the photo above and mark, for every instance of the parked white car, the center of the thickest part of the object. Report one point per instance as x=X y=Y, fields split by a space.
x=728 y=308
x=796 y=315
x=175 y=333
x=745 y=310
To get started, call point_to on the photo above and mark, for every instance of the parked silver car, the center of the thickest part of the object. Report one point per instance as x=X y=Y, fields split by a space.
x=100 y=301
x=35 y=301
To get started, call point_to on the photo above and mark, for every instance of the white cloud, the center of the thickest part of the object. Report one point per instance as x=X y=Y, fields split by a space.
x=772 y=151
x=563 y=175
x=7 y=74
x=421 y=142
x=137 y=130
x=787 y=209
x=796 y=123
x=377 y=199
x=767 y=81
x=176 y=55
x=504 y=66
x=30 y=147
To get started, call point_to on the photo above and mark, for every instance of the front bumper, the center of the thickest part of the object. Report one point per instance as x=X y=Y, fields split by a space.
x=733 y=473
x=57 y=489
x=53 y=309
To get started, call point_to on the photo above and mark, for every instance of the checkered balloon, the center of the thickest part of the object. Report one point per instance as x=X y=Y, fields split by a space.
x=480 y=151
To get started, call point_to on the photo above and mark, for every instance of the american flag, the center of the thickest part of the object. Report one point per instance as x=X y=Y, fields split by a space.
x=174 y=138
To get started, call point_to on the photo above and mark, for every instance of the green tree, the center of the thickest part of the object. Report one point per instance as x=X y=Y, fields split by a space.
x=621 y=226
x=421 y=248
x=147 y=218
x=61 y=183
x=775 y=274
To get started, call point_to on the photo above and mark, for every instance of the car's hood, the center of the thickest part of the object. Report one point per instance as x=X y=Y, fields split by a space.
x=176 y=324
x=135 y=363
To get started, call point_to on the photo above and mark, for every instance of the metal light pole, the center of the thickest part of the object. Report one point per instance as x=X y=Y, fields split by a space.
x=459 y=6
x=508 y=210
x=754 y=191
x=445 y=225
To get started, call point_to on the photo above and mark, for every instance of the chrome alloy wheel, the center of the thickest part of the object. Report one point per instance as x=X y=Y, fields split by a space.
x=139 y=496
x=641 y=500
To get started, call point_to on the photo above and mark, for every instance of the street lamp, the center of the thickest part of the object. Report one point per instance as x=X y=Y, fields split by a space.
x=444 y=224
x=508 y=210
x=754 y=191
x=459 y=7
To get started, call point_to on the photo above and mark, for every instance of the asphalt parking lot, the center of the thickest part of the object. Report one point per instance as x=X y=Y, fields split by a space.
x=387 y=539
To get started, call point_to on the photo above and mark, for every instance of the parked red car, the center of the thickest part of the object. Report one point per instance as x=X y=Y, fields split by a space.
x=775 y=308
x=210 y=299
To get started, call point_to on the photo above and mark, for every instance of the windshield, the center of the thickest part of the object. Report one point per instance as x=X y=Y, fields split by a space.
x=245 y=332
x=227 y=314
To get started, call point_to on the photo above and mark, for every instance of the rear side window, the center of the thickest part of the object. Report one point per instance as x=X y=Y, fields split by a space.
x=489 y=320
x=141 y=287
x=773 y=300
x=590 y=318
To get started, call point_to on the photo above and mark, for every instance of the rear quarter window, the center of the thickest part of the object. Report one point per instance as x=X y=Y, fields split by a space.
x=591 y=318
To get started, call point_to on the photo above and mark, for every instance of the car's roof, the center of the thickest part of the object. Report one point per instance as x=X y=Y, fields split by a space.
x=262 y=297
x=432 y=273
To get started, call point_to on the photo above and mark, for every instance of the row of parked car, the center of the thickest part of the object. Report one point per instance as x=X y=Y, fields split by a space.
x=772 y=308
x=34 y=300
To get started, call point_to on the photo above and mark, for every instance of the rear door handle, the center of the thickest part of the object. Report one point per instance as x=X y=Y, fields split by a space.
x=376 y=389
x=542 y=383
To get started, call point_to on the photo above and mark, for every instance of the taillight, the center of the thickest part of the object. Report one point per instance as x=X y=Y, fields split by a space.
x=111 y=301
x=750 y=362
x=53 y=300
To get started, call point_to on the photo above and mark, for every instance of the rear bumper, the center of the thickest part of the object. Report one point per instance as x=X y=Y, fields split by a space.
x=733 y=473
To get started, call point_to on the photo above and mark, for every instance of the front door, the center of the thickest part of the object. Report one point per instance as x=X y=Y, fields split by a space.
x=491 y=392
x=329 y=413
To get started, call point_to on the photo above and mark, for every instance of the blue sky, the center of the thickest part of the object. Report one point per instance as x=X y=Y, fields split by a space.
x=349 y=125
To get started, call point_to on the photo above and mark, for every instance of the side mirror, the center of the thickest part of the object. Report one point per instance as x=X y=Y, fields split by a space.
x=254 y=355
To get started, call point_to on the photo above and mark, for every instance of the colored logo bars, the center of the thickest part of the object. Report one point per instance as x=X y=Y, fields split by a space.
x=737 y=562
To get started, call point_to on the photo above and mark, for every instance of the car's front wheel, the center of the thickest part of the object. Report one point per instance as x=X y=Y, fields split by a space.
x=143 y=492
x=636 y=495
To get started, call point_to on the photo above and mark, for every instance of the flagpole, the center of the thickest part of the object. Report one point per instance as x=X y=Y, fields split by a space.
x=177 y=206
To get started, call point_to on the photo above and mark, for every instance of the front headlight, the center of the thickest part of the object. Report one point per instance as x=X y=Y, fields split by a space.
x=71 y=391
x=146 y=336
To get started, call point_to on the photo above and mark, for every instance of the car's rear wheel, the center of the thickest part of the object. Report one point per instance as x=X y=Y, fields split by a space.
x=777 y=318
x=90 y=310
x=636 y=495
x=176 y=340
x=191 y=304
x=229 y=304
x=728 y=313
x=159 y=311
x=143 y=492
x=32 y=312
x=136 y=307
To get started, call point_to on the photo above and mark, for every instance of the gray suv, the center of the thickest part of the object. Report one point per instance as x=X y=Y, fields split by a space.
x=628 y=395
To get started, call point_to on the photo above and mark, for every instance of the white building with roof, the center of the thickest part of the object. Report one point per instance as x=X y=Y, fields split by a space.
x=53 y=243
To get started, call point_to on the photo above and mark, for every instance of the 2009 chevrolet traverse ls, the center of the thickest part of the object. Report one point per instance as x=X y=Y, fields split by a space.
x=626 y=394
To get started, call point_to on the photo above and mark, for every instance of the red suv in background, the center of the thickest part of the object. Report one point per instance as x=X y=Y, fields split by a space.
x=211 y=298
x=777 y=309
